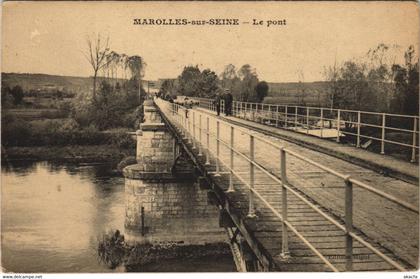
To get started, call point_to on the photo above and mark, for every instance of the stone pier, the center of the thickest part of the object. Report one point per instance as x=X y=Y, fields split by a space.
x=162 y=205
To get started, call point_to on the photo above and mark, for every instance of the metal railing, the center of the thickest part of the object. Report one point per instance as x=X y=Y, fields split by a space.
x=185 y=121
x=318 y=121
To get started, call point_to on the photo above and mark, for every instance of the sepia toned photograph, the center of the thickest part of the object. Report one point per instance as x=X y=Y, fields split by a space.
x=209 y=136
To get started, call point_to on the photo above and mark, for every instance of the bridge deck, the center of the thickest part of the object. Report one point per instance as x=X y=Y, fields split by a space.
x=398 y=168
x=376 y=217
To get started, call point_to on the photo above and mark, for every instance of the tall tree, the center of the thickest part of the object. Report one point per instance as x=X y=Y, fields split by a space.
x=209 y=83
x=261 y=90
x=137 y=66
x=17 y=93
x=249 y=81
x=98 y=49
x=406 y=79
x=189 y=81
x=230 y=80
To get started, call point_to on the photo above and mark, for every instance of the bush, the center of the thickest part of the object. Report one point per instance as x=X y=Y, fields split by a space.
x=16 y=133
x=112 y=249
x=127 y=161
x=122 y=140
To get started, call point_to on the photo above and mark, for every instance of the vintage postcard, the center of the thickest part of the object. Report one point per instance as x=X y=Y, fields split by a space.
x=214 y=136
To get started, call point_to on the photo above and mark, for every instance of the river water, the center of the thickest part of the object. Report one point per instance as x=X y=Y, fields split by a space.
x=53 y=214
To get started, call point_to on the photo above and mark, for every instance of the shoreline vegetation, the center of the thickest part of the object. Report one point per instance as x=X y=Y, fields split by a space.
x=69 y=153
x=64 y=120
x=115 y=252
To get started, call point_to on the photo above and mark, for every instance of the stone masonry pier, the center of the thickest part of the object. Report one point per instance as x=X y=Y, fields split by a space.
x=161 y=204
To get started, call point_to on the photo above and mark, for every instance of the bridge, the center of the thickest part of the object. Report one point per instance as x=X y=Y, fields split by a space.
x=284 y=206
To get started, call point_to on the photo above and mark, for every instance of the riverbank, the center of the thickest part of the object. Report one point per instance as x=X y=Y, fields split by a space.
x=69 y=153
x=115 y=252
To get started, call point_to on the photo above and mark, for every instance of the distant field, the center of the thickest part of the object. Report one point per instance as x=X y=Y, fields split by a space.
x=35 y=81
x=291 y=93
x=279 y=92
x=39 y=81
x=29 y=114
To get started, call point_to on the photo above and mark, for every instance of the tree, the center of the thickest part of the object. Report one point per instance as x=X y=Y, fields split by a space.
x=406 y=81
x=332 y=76
x=249 y=81
x=230 y=80
x=208 y=84
x=262 y=90
x=7 y=99
x=98 y=50
x=168 y=87
x=137 y=66
x=189 y=81
x=301 y=91
x=17 y=93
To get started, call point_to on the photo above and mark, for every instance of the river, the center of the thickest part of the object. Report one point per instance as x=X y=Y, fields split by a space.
x=53 y=214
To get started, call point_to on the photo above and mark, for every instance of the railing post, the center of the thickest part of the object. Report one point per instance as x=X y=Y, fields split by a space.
x=307 y=120
x=255 y=112
x=358 y=129
x=217 y=147
x=413 y=151
x=349 y=222
x=277 y=115
x=186 y=125
x=383 y=134
x=285 y=116
x=262 y=113
x=175 y=151
x=284 y=240
x=181 y=122
x=200 y=129
x=193 y=132
x=322 y=120
x=296 y=117
x=338 y=125
x=223 y=106
x=208 y=141
x=232 y=134
x=251 y=211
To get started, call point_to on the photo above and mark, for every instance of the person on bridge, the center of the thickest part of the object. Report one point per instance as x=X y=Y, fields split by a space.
x=217 y=102
x=228 y=102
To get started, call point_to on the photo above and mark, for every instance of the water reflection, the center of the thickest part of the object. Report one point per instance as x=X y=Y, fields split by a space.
x=53 y=215
x=51 y=219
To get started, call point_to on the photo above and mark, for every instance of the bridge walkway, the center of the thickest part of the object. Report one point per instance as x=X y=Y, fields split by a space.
x=378 y=218
x=314 y=203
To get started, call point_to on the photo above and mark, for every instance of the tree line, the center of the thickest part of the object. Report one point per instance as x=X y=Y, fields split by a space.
x=376 y=82
x=120 y=91
x=114 y=66
x=243 y=83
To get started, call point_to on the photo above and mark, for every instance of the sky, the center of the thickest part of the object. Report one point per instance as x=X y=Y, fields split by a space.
x=40 y=37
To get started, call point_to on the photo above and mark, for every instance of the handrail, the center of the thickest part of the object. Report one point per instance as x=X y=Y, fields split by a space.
x=331 y=171
x=288 y=224
x=349 y=183
x=304 y=120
